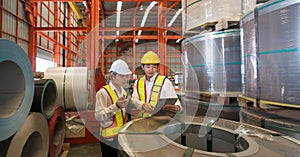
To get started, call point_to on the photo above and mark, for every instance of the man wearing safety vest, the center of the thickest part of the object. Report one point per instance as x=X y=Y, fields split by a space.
x=149 y=89
x=110 y=111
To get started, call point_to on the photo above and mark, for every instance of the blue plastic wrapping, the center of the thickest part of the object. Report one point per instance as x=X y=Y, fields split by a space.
x=249 y=57
x=279 y=51
x=212 y=62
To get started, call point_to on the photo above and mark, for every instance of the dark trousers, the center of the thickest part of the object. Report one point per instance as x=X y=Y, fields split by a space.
x=109 y=148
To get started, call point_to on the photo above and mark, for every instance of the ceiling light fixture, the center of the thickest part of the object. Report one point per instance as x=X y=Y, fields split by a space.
x=141 y=7
x=119 y=8
x=118 y=19
x=119 y=5
x=174 y=17
x=152 y=4
x=84 y=3
x=139 y=32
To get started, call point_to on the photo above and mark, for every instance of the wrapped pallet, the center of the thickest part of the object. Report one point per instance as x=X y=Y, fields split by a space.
x=197 y=13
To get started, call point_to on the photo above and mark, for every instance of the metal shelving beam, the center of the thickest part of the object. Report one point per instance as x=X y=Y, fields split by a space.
x=42 y=29
x=57 y=0
x=143 y=0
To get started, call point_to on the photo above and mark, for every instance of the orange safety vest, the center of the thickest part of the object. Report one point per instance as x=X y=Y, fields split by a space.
x=155 y=92
x=118 y=121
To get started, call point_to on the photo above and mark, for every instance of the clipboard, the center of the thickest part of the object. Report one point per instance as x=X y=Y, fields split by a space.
x=160 y=103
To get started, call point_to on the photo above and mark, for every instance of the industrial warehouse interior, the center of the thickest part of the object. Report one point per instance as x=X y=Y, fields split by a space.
x=145 y=78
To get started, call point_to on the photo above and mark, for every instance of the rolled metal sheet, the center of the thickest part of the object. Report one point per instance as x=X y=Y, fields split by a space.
x=249 y=57
x=212 y=62
x=45 y=97
x=176 y=137
x=32 y=139
x=77 y=88
x=287 y=112
x=279 y=51
x=71 y=85
x=59 y=77
x=287 y=126
x=16 y=88
x=57 y=129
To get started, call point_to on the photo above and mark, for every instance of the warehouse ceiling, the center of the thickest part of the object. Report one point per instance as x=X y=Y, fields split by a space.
x=132 y=14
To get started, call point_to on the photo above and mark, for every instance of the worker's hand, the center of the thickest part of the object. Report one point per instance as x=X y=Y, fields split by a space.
x=171 y=108
x=122 y=102
x=148 y=107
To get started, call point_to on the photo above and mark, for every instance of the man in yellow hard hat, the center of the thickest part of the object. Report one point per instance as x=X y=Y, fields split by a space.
x=149 y=89
x=111 y=101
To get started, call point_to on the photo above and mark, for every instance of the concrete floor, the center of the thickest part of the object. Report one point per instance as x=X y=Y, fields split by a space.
x=85 y=150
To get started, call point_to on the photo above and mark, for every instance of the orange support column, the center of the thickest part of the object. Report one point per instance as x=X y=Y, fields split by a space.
x=96 y=30
x=161 y=36
x=102 y=45
x=102 y=37
x=31 y=16
x=56 y=37
x=69 y=39
x=134 y=37
x=92 y=53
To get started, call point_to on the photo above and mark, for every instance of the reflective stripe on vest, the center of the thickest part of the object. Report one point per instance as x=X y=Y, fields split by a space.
x=155 y=92
x=118 y=120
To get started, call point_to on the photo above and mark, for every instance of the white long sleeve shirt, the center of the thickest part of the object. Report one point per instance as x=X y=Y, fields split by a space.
x=105 y=109
x=167 y=91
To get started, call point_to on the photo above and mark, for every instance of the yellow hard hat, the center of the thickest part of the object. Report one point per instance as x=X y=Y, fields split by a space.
x=150 y=58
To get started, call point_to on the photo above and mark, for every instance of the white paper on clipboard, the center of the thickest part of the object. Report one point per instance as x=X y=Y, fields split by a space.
x=161 y=102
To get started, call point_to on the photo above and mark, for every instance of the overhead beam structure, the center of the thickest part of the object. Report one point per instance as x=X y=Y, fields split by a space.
x=57 y=0
x=76 y=10
x=99 y=31
x=42 y=29
x=134 y=31
x=143 y=0
x=144 y=37
x=162 y=46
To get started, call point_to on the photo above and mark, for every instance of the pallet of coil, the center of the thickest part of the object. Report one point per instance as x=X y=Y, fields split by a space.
x=245 y=101
x=271 y=68
x=280 y=109
x=221 y=98
x=211 y=15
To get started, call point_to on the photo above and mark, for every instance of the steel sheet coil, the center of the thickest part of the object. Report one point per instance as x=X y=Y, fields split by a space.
x=292 y=113
x=16 y=88
x=279 y=51
x=57 y=129
x=32 y=139
x=194 y=136
x=212 y=62
x=45 y=97
x=249 y=57
x=71 y=85
x=277 y=123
